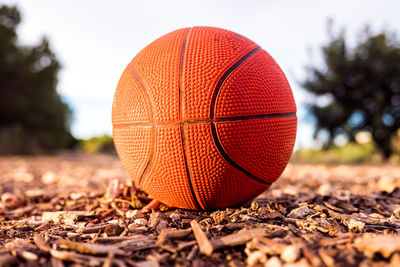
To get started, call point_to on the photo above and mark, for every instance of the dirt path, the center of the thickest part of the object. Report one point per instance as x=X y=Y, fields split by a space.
x=54 y=211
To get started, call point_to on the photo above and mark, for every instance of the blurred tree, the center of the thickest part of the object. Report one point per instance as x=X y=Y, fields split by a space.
x=362 y=86
x=98 y=144
x=32 y=114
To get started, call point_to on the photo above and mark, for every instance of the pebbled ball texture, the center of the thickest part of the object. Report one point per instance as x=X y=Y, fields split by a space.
x=203 y=118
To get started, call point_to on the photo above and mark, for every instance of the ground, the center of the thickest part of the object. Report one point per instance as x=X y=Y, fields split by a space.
x=71 y=210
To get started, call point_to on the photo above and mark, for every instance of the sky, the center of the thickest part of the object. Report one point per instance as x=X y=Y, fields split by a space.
x=95 y=40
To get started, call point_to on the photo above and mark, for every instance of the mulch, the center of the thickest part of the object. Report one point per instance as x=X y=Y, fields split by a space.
x=82 y=210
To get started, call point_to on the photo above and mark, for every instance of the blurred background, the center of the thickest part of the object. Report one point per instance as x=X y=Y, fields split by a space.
x=60 y=62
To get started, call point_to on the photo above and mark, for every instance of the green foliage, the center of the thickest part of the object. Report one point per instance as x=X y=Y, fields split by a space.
x=33 y=118
x=100 y=144
x=363 y=88
x=346 y=154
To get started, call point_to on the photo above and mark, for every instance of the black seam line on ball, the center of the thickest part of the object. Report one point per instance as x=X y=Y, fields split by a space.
x=151 y=158
x=144 y=86
x=154 y=131
x=181 y=62
x=212 y=114
x=231 y=161
x=261 y=116
x=224 y=76
x=196 y=202
x=228 y=119
x=183 y=136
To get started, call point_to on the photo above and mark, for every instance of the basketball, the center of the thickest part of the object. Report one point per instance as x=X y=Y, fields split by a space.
x=204 y=118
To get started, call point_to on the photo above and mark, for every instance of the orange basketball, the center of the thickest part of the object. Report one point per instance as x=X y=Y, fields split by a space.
x=204 y=118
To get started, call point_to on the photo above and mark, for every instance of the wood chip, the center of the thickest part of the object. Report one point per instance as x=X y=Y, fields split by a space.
x=237 y=239
x=311 y=257
x=385 y=245
x=153 y=205
x=63 y=217
x=93 y=229
x=151 y=263
x=113 y=189
x=388 y=184
x=266 y=245
x=27 y=255
x=94 y=249
x=290 y=253
x=201 y=238
x=273 y=262
x=113 y=229
x=326 y=258
x=154 y=219
x=315 y=215
x=355 y=226
x=301 y=212
x=78 y=258
x=39 y=241
x=173 y=233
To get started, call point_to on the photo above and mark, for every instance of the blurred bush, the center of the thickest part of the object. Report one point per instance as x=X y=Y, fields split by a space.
x=348 y=153
x=33 y=118
x=99 y=144
x=357 y=89
x=363 y=150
